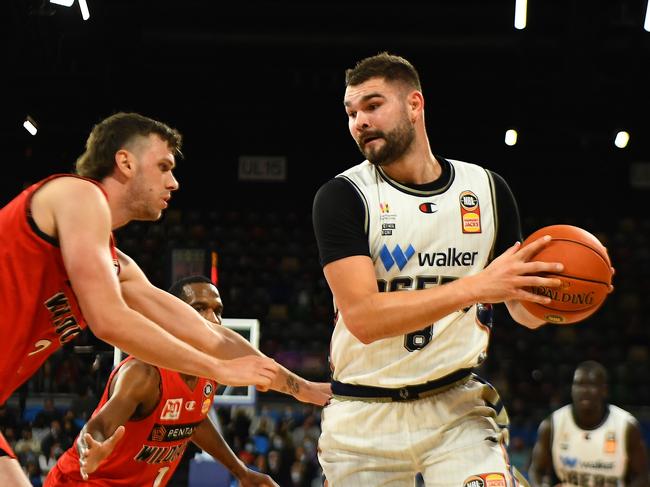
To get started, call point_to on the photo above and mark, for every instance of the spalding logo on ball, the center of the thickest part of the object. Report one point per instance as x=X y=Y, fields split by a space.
x=586 y=277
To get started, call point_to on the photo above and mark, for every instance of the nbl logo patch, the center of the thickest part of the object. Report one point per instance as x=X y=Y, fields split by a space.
x=207 y=389
x=470 y=212
x=485 y=480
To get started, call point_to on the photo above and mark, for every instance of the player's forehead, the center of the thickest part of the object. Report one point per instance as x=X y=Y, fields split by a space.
x=587 y=376
x=154 y=147
x=373 y=87
x=201 y=291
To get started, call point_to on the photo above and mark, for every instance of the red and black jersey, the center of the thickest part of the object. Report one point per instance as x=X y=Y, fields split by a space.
x=151 y=447
x=40 y=311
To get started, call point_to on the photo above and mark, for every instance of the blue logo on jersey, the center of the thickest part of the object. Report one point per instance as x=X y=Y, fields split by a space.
x=397 y=256
x=569 y=462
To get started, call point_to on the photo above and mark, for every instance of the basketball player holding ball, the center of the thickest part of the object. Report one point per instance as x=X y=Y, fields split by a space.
x=414 y=248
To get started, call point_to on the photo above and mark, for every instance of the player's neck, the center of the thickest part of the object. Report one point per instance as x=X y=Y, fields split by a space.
x=589 y=420
x=416 y=167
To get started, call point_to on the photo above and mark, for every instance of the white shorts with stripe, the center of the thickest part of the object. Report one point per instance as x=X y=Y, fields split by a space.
x=449 y=437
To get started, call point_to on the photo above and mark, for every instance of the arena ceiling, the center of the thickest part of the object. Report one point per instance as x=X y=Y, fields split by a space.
x=267 y=76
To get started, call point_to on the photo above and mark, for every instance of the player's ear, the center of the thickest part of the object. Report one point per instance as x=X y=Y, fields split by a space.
x=123 y=163
x=415 y=104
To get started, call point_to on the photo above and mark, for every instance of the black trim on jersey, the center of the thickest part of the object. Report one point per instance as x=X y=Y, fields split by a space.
x=507 y=222
x=32 y=224
x=339 y=215
x=606 y=414
x=425 y=190
x=366 y=223
x=495 y=213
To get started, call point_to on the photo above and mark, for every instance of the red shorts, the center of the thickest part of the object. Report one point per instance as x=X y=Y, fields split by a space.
x=4 y=446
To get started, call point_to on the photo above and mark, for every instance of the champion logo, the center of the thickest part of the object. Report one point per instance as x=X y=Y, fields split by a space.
x=397 y=256
x=428 y=207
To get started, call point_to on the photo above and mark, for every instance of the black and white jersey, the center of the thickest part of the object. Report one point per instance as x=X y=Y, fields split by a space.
x=417 y=237
x=596 y=457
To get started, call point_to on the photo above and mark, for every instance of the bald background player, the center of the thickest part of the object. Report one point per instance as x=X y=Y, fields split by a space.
x=589 y=442
x=134 y=436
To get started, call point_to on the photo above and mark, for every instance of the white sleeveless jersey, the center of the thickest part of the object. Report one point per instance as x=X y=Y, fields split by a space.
x=420 y=239
x=595 y=457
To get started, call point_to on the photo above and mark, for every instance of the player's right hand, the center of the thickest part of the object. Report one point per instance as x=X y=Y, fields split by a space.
x=250 y=370
x=251 y=478
x=92 y=452
x=509 y=276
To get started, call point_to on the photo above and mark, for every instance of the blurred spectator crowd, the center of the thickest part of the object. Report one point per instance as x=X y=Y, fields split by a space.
x=268 y=269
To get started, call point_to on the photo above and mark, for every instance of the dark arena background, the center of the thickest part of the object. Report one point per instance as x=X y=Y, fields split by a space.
x=256 y=88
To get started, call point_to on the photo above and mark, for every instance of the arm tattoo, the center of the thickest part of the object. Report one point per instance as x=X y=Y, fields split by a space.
x=292 y=385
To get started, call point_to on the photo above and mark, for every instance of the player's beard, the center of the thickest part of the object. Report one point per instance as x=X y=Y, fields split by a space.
x=139 y=205
x=397 y=142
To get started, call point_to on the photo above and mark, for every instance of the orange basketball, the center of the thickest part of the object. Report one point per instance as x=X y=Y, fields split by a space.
x=586 y=277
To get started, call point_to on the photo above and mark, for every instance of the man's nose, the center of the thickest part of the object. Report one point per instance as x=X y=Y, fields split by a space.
x=173 y=182
x=361 y=122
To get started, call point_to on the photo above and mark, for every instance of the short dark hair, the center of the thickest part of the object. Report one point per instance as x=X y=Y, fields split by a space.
x=114 y=133
x=383 y=65
x=177 y=288
x=596 y=367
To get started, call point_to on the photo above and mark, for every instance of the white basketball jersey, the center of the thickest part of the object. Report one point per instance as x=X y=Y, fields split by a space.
x=420 y=239
x=595 y=457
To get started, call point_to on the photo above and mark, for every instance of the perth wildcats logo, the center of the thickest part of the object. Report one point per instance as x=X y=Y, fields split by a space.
x=470 y=212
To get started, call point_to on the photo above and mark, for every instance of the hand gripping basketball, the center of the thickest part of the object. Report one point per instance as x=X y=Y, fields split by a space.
x=586 y=278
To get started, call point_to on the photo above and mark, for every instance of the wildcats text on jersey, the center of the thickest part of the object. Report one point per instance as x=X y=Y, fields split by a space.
x=159 y=454
x=63 y=321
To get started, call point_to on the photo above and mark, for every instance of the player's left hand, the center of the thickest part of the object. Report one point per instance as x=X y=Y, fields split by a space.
x=251 y=478
x=92 y=452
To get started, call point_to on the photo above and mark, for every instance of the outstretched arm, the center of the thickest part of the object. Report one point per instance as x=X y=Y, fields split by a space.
x=207 y=437
x=183 y=321
x=541 y=467
x=76 y=213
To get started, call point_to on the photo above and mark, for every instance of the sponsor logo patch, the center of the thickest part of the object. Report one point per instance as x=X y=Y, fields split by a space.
x=474 y=481
x=176 y=432
x=428 y=207
x=485 y=480
x=190 y=405
x=470 y=212
x=172 y=409
x=397 y=256
x=206 y=405
x=495 y=480
x=610 y=442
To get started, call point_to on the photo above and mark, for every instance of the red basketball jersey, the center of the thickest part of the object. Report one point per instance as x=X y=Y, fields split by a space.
x=152 y=447
x=40 y=311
